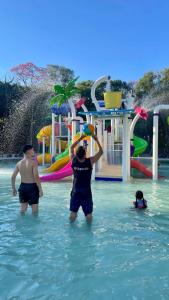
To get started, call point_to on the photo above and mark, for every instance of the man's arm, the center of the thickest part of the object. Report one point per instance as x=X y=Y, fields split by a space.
x=13 y=179
x=96 y=157
x=37 y=179
x=73 y=146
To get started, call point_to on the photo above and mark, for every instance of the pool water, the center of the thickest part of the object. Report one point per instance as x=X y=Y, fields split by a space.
x=124 y=254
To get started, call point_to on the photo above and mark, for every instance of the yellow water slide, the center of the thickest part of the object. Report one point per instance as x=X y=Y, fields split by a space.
x=60 y=163
x=57 y=165
x=46 y=133
x=47 y=158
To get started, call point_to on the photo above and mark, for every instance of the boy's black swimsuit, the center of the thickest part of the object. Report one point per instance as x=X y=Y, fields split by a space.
x=29 y=192
x=81 y=194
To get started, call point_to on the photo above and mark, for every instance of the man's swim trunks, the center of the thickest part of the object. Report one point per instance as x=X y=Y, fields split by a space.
x=29 y=192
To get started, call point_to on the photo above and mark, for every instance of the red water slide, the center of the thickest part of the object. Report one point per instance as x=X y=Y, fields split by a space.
x=139 y=166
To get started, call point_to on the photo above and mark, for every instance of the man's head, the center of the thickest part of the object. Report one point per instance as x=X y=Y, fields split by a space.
x=81 y=152
x=28 y=150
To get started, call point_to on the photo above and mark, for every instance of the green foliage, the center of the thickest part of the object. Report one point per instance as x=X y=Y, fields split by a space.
x=84 y=88
x=64 y=93
x=165 y=78
x=145 y=84
x=9 y=93
x=119 y=85
x=60 y=74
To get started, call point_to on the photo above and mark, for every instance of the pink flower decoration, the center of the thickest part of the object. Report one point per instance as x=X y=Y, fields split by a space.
x=141 y=112
x=80 y=102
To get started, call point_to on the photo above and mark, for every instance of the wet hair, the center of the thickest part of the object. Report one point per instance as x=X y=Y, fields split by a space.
x=26 y=148
x=80 y=152
x=139 y=195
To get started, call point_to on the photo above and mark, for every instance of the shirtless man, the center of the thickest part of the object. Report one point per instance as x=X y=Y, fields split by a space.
x=30 y=188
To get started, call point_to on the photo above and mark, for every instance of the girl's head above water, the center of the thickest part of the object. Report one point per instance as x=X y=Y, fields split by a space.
x=140 y=201
x=139 y=195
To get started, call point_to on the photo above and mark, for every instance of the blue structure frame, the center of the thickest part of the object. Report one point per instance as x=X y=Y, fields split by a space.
x=107 y=112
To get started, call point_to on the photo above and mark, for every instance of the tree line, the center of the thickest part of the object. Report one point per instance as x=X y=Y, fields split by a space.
x=28 y=91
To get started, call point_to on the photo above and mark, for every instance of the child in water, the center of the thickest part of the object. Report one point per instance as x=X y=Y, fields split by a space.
x=140 y=201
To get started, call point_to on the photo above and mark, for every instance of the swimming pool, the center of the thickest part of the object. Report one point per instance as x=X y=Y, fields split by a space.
x=124 y=254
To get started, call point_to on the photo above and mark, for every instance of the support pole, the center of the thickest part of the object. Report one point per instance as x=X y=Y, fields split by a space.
x=53 y=135
x=68 y=128
x=105 y=145
x=60 y=125
x=59 y=144
x=133 y=124
x=128 y=148
x=112 y=134
x=73 y=112
x=101 y=142
x=126 y=152
x=50 y=146
x=93 y=89
x=155 y=138
x=155 y=145
x=116 y=129
x=92 y=150
x=43 y=151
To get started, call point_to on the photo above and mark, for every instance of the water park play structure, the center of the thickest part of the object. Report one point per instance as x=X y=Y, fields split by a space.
x=114 y=123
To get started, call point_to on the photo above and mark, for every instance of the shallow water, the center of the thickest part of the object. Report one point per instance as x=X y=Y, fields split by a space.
x=124 y=254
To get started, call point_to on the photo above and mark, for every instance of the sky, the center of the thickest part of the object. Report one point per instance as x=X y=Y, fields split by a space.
x=121 y=38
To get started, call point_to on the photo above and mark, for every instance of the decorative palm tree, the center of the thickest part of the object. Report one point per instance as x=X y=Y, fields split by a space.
x=64 y=93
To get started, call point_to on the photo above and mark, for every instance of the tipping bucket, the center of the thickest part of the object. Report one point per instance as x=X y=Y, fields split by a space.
x=112 y=99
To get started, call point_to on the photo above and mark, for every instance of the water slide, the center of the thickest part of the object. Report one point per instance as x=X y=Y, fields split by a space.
x=57 y=165
x=140 y=147
x=46 y=133
x=62 y=159
x=48 y=158
x=63 y=154
x=141 y=167
x=64 y=172
x=60 y=168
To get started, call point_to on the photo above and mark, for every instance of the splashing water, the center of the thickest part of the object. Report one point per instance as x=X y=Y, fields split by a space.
x=26 y=118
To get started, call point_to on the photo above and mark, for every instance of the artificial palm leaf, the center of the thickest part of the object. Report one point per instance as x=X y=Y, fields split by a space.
x=56 y=99
x=59 y=89
x=63 y=93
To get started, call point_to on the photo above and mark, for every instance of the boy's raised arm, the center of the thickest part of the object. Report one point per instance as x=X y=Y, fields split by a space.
x=73 y=146
x=96 y=157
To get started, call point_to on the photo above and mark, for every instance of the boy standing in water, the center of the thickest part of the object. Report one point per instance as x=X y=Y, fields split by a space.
x=30 y=188
x=81 y=194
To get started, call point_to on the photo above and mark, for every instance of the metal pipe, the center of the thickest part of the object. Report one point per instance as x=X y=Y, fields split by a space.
x=93 y=90
x=155 y=137
x=53 y=134
x=43 y=151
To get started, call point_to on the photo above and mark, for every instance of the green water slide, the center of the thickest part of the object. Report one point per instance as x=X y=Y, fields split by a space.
x=66 y=151
x=63 y=154
x=140 y=146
